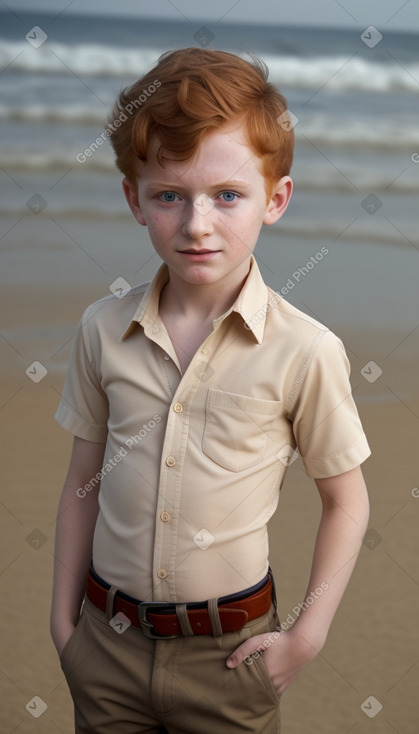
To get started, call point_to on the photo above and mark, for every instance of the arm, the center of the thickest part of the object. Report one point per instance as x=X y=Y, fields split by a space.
x=339 y=538
x=76 y=520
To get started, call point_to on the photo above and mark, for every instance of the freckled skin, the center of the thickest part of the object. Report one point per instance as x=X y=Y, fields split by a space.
x=215 y=201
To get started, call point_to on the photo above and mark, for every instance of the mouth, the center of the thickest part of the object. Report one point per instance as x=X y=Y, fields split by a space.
x=191 y=251
x=197 y=255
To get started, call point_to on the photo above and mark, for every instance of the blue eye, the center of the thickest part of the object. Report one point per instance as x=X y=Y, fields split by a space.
x=228 y=196
x=168 y=196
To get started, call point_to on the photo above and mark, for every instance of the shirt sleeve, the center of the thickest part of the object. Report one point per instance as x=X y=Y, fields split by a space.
x=325 y=419
x=84 y=408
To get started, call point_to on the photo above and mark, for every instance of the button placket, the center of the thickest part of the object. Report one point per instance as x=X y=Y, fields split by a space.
x=168 y=496
x=170 y=487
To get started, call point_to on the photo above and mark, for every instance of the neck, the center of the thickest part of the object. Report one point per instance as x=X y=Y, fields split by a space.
x=201 y=302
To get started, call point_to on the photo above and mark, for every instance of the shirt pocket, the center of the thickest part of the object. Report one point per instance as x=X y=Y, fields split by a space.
x=236 y=428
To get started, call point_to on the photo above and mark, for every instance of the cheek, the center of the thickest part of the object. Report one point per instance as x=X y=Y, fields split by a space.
x=245 y=229
x=158 y=223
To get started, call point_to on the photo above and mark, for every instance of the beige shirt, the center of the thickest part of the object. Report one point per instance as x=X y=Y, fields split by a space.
x=194 y=463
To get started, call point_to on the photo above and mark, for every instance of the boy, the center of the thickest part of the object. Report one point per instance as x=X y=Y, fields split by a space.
x=186 y=398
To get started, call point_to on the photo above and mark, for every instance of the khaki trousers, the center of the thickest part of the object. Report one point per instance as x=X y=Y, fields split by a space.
x=126 y=683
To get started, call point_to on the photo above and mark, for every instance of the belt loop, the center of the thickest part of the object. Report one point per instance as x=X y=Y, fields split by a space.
x=183 y=618
x=109 y=602
x=214 y=616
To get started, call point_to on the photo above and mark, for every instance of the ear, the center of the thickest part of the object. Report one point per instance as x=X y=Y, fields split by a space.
x=131 y=195
x=280 y=198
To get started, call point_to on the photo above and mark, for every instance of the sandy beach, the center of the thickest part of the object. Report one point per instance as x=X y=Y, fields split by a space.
x=372 y=647
x=66 y=236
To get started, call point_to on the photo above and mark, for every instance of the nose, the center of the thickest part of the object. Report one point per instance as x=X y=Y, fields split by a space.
x=199 y=218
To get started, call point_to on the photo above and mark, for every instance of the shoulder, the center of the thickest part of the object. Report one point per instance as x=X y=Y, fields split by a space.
x=293 y=316
x=115 y=309
x=106 y=319
x=305 y=344
x=294 y=327
x=119 y=301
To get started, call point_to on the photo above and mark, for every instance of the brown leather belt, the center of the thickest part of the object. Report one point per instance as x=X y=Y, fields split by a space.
x=159 y=619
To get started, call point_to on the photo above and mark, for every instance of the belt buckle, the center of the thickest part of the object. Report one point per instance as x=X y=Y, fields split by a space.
x=146 y=626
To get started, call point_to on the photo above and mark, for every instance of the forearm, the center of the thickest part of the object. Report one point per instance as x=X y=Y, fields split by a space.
x=341 y=530
x=339 y=538
x=76 y=519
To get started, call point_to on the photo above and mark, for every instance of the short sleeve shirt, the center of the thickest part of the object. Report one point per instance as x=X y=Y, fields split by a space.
x=194 y=462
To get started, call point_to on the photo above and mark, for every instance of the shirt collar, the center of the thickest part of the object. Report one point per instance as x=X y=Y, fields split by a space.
x=251 y=304
x=148 y=310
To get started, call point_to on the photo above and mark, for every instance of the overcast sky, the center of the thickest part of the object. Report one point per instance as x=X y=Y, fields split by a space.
x=392 y=14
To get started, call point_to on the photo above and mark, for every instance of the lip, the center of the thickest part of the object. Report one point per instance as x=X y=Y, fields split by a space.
x=198 y=255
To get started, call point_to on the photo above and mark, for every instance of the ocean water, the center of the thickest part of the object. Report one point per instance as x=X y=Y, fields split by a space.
x=356 y=167
x=357 y=107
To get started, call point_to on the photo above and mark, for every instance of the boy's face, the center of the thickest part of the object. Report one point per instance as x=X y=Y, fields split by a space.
x=204 y=215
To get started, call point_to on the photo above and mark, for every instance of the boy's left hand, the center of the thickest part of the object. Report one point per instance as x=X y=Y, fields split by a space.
x=285 y=657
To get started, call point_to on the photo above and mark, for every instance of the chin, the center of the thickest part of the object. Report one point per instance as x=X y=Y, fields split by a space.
x=201 y=278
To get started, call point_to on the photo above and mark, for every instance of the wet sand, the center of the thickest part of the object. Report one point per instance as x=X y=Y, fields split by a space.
x=373 y=646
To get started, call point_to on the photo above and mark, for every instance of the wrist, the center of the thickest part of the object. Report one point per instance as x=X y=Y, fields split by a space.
x=61 y=623
x=59 y=626
x=61 y=633
x=308 y=635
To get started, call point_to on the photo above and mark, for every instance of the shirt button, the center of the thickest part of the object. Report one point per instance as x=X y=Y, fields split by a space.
x=178 y=407
x=165 y=516
x=166 y=357
x=162 y=573
x=170 y=461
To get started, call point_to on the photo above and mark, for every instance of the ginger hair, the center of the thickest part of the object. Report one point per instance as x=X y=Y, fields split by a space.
x=190 y=92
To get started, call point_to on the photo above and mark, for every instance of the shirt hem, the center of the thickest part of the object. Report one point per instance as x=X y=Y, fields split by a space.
x=340 y=463
x=75 y=425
